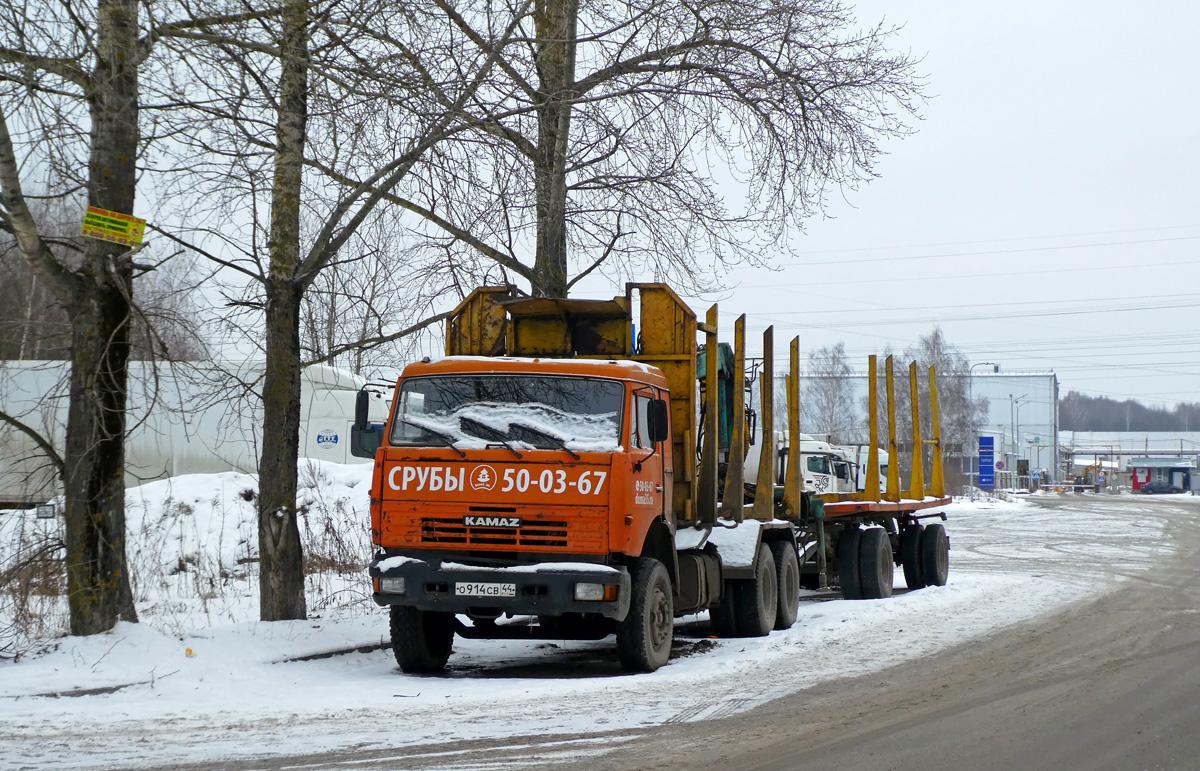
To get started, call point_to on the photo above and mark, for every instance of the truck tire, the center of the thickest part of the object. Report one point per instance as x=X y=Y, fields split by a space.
x=757 y=599
x=935 y=555
x=910 y=556
x=724 y=616
x=787 y=571
x=421 y=639
x=644 y=637
x=848 y=569
x=875 y=563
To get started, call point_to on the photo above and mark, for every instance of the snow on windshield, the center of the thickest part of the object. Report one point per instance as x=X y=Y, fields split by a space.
x=525 y=412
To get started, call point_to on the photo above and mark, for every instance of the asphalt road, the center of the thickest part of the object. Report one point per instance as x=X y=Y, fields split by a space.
x=1113 y=683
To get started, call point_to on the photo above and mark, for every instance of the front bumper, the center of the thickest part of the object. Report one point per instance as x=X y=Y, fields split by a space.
x=545 y=589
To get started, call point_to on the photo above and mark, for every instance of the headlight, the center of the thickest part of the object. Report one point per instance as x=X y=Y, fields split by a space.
x=589 y=592
x=391 y=586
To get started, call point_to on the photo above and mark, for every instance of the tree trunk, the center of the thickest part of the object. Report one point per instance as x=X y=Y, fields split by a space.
x=555 y=24
x=281 y=561
x=97 y=573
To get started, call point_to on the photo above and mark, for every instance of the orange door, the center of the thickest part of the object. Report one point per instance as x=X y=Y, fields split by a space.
x=647 y=460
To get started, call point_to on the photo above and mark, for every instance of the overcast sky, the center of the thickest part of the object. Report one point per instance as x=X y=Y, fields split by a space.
x=1046 y=215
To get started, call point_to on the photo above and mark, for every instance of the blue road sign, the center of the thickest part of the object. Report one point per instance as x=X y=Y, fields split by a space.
x=987 y=462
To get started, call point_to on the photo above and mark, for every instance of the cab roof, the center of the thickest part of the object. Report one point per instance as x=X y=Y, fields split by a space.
x=616 y=369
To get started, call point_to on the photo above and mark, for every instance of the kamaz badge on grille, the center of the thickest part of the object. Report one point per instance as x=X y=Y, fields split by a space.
x=477 y=521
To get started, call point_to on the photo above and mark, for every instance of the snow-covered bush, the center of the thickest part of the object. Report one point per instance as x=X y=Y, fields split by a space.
x=192 y=546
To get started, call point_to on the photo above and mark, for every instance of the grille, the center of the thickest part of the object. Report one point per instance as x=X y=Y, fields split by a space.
x=447 y=530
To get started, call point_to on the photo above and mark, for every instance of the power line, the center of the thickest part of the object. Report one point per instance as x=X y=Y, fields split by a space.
x=990 y=252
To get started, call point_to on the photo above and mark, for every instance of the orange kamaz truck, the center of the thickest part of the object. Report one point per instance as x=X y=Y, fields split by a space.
x=564 y=474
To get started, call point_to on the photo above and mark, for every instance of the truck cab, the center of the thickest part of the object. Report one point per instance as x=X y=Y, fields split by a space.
x=511 y=462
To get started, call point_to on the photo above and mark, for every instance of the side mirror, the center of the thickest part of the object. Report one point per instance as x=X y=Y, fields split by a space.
x=365 y=441
x=362 y=409
x=660 y=421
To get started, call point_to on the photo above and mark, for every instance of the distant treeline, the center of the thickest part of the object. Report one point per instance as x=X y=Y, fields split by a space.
x=1077 y=412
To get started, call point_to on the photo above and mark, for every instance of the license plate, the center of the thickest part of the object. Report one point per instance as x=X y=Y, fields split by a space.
x=468 y=589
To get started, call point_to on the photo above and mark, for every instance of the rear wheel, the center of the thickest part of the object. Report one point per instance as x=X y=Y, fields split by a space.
x=644 y=637
x=421 y=639
x=848 y=570
x=757 y=599
x=875 y=563
x=910 y=556
x=787 y=572
x=935 y=555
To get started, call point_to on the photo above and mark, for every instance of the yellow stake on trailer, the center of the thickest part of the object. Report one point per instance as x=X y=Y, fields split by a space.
x=735 y=469
x=916 y=487
x=793 y=480
x=893 y=477
x=764 y=492
x=937 y=486
x=871 y=490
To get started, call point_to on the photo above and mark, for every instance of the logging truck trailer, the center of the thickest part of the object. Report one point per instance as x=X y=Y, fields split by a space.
x=556 y=477
x=855 y=540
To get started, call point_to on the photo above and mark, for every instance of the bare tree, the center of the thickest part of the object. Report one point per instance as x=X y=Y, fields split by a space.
x=97 y=294
x=70 y=84
x=828 y=401
x=642 y=110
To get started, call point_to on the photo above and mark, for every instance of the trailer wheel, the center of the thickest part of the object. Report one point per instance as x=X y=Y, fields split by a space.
x=910 y=556
x=421 y=639
x=848 y=568
x=724 y=616
x=757 y=598
x=935 y=555
x=787 y=570
x=875 y=563
x=644 y=636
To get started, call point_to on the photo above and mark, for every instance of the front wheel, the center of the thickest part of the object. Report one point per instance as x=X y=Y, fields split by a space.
x=421 y=639
x=644 y=637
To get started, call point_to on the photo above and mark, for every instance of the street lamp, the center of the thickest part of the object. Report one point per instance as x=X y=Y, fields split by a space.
x=1017 y=427
x=1012 y=420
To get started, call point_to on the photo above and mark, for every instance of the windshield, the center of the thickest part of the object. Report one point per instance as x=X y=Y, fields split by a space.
x=818 y=464
x=523 y=411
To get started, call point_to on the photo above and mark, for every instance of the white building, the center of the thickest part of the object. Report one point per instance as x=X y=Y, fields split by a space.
x=182 y=418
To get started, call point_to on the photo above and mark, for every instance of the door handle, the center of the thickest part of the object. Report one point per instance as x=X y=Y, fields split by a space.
x=658 y=488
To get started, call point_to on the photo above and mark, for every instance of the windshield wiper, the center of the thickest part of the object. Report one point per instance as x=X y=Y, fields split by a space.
x=556 y=441
x=495 y=435
x=449 y=440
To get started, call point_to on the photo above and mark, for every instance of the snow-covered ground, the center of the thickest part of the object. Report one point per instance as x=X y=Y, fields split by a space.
x=200 y=680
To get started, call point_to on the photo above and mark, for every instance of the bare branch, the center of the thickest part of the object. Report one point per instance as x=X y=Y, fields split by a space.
x=38 y=439
x=62 y=282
